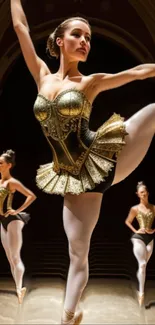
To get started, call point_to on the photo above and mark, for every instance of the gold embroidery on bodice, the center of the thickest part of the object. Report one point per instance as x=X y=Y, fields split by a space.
x=81 y=157
x=5 y=194
x=145 y=220
x=61 y=116
x=61 y=121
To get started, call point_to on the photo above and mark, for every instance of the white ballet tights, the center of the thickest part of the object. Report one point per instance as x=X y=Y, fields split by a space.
x=12 y=243
x=142 y=254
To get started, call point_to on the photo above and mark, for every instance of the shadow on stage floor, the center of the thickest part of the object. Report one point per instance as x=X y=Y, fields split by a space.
x=105 y=301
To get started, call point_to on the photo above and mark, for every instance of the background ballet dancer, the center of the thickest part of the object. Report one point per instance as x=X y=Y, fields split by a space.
x=143 y=238
x=12 y=221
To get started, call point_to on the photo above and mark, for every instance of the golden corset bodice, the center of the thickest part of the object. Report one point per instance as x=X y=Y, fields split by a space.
x=5 y=194
x=145 y=220
x=65 y=123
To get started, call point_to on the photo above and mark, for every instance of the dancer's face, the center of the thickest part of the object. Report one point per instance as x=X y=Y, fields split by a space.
x=75 y=43
x=4 y=166
x=142 y=193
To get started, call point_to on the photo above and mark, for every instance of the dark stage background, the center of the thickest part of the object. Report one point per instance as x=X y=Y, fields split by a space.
x=45 y=244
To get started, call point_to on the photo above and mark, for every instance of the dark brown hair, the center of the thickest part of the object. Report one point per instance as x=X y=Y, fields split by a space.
x=9 y=157
x=52 y=46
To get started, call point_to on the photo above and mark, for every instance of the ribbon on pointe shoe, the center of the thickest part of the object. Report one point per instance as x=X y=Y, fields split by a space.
x=140 y=299
x=71 y=318
x=21 y=293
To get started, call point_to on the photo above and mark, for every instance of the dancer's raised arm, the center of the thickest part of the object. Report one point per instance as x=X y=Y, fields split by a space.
x=37 y=67
x=103 y=81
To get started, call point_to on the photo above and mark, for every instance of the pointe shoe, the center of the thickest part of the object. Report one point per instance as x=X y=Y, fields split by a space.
x=140 y=299
x=71 y=318
x=21 y=294
x=78 y=317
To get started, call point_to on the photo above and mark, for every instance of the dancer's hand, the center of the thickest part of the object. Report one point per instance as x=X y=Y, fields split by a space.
x=150 y=231
x=11 y=211
x=141 y=231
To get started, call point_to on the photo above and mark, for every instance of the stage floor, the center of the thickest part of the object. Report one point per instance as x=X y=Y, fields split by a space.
x=105 y=301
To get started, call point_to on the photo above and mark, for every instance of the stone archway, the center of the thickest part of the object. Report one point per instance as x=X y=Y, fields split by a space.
x=108 y=30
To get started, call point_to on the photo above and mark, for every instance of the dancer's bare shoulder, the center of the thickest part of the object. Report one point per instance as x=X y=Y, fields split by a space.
x=132 y=214
x=134 y=208
x=51 y=85
x=13 y=184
